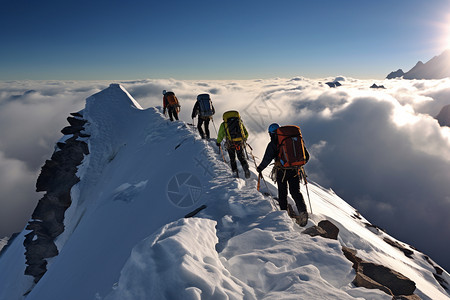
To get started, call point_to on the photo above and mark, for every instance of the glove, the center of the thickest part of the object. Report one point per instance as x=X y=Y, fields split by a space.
x=218 y=144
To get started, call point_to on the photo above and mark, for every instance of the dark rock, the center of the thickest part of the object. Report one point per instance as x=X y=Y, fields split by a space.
x=399 y=246
x=438 y=275
x=58 y=176
x=315 y=231
x=71 y=130
x=77 y=114
x=331 y=230
x=333 y=84
x=76 y=122
x=376 y=276
x=377 y=228
x=350 y=254
x=325 y=229
x=36 y=269
x=362 y=280
x=396 y=282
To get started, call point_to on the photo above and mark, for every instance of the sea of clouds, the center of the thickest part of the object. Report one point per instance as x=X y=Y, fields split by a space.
x=379 y=149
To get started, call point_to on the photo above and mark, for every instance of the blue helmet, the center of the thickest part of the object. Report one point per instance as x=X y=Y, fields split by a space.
x=273 y=127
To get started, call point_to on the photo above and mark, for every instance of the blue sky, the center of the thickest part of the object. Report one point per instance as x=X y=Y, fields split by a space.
x=217 y=39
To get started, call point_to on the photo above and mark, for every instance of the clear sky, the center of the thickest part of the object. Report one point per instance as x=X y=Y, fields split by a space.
x=217 y=39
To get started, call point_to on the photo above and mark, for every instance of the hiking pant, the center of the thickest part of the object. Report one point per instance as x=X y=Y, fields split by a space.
x=291 y=177
x=173 y=113
x=202 y=121
x=237 y=149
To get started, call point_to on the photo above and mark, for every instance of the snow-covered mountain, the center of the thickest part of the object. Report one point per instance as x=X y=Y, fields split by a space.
x=436 y=68
x=124 y=234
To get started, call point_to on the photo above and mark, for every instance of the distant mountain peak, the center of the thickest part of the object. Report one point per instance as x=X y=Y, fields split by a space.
x=436 y=68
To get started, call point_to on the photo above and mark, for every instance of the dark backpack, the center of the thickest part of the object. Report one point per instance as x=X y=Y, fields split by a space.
x=205 y=105
x=233 y=126
x=291 y=148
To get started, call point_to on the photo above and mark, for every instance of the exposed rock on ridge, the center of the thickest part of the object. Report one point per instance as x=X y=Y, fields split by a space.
x=58 y=176
x=369 y=275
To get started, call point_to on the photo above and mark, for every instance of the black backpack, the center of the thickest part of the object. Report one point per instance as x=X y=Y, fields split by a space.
x=233 y=126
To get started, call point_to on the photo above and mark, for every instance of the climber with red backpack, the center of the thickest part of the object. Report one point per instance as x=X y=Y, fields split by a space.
x=171 y=104
x=235 y=134
x=287 y=148
x=205 y=110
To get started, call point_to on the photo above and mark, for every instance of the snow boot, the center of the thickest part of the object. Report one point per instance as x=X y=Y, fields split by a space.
x=247 y=173
x=290 y=211
x=303 y=219
x=236 y=173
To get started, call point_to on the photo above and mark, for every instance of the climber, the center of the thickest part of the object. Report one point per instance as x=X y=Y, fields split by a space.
x=205 y=110
x=235 y=135
x=286 y=147
x=170 y=102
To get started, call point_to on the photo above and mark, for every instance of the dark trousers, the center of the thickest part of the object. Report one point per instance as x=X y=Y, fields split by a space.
x=292 y=179
x=173 y=113
x=237 y=149
x=205 y=121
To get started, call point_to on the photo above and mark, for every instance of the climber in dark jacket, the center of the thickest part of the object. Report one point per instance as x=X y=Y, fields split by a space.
x=202 y=120
x=284 y=176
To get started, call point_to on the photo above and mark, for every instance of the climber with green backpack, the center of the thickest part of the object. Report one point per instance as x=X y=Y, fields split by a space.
x=235 y=134
x=287 y=148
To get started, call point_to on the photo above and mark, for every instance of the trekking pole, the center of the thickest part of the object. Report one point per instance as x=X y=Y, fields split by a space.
x=261 y=176
x=214 y=124
x=223 y=156
x=245 y=149
x=306 y=185
x=270 y=193
x=251 y=153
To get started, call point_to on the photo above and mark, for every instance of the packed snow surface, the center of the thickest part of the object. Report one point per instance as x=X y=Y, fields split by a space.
x=126 y=236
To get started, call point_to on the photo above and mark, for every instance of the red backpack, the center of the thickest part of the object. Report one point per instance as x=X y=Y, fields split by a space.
x=291 y=149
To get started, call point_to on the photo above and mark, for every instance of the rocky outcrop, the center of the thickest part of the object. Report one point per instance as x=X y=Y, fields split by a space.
x=444 y=116
x=333 y=84
x=406 y=251
x=324 y=229
x=374 y=276
x=438 y=274
x=58 y=176
x=396 y=74
x=374 y=86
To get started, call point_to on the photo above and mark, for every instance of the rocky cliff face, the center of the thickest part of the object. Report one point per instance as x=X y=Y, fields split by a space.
x=58 y=176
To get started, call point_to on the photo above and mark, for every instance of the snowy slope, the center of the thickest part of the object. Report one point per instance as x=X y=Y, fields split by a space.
x=126 y=237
